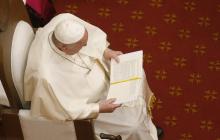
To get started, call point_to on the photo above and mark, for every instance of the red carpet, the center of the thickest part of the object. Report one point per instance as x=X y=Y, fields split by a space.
x=181 y=43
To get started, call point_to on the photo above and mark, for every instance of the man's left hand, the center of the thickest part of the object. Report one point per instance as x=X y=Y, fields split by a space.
x=111 y=54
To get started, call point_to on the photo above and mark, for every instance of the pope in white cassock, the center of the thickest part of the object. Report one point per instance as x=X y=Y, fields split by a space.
x=67 y=78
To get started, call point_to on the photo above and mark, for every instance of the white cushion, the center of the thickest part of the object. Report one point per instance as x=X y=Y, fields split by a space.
x=22 y=38
x=3 y=98
x=43 y=129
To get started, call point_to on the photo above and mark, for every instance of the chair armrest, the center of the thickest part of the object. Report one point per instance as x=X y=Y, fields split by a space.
x=11 y=124
x=84 y=129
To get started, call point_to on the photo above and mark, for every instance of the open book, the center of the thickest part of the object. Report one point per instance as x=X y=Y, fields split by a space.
x=125 y=77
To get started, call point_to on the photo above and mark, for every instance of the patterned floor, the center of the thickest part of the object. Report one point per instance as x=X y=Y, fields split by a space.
x=181 y=43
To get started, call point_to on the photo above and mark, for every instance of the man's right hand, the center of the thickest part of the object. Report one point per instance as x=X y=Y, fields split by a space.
x=108 y=106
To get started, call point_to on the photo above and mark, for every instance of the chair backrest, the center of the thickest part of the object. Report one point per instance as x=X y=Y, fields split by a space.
x=22 y=38
x=13 y=13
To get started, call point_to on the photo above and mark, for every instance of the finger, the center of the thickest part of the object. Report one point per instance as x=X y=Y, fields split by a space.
x=111 y=100
x=119 y=53
x=116 y=105
x=116 y=59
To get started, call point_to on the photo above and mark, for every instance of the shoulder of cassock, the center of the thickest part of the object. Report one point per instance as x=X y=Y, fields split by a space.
x=97 y=39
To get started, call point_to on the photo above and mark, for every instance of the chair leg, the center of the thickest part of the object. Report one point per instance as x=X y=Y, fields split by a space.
x=84 y=129
x=11 y=125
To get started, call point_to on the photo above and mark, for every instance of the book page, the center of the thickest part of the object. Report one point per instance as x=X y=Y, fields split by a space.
x=125 y=77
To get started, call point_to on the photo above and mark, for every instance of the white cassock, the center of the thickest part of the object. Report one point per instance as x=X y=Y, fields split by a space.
x=68 y=87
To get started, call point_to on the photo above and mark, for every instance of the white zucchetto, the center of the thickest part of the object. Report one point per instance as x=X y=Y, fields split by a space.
x=69 y=31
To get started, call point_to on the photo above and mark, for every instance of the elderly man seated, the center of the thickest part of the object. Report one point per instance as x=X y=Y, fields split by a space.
x=66 y=78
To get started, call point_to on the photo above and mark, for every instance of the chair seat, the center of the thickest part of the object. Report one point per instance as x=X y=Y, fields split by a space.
x=41 y=128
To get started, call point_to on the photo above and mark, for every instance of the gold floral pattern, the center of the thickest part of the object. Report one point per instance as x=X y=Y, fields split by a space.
x=206 y=125
x=70 y=8
x=147 y=58
x=204 y=21
x=118 y=27
x=131 y=42
x=184 y=33
x=151 y=30
x=175 y=90
x=190 y=6
x=195 y=78
x=165 y=46
x=170 y=18
x=216 y=36
x=137 y=14
x=214 y=65
x=161 y=74
x=124 y=2
x=191 y=108
x=186 y=136
x=104 y=12
x=156 y=3
x=218 y=8
x=171 y=121
x=199 y=49
x=210 y=95
x=158 y=104
x=179 y=62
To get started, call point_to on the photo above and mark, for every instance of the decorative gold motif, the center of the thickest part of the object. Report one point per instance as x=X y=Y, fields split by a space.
x=165 y=46
x=218 y=8
x=117 y=27
x=214 y=65
x=199 y=49
x=137 y=14
x=179 y=62
x=161 y=74
x=151 y=30
x=195 y=78
x=158 y=104
x=191 y=108
x=170 y=18
x=186 y=136
x=175 y=90
x=124 y=2
x=104 y=12
x=156 y=3
x=184 y=33
x=131 y=42
x=190 y=6
x=216 y=36
x=70 y=8
x=170 y=121
x=150 y=105
x=204 y=21
x=147 y=58
x=210 y=95
x=206 y=125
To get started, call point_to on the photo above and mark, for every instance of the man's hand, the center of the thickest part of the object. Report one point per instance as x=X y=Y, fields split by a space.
x=107 y=106
x=111 y=54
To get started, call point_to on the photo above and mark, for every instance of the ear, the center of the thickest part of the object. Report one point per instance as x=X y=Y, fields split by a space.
x=64 y=48
x=61 y=48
